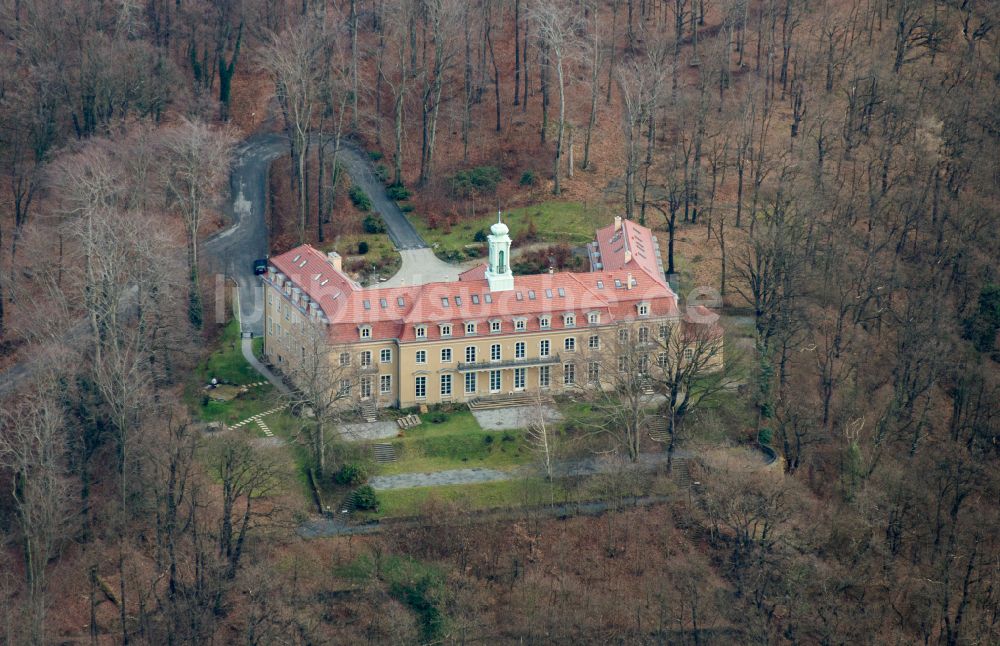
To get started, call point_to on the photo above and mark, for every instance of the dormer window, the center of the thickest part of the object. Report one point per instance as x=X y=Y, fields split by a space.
x=594 y=318
x=520 y=325
x=569 y=320
x=643 y=309
x=446 y=329
x=365 y=331
x=544 y=321
x=495 y=327
x=470 y=328
x=421 y=331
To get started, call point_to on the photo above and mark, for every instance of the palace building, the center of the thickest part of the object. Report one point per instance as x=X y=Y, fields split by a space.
x=488 y=333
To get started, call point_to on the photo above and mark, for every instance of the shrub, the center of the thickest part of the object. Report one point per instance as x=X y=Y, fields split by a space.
x=362 y=247
x=373 y=224
x=439 y=418
x=381 y=172
x=406 y=208
x=398 y=192
x=365 y=498
x=375 y=155
x=474 y=252
x=360 y=199
x=480 y=236
x=481 y=179
x=765 y=436
x=351 y=473
x=527 y=178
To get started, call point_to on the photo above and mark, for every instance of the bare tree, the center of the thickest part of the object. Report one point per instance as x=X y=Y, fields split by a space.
x=32 y=453
x=196 y=164
x=324 y=378
x=295 y=59
x=557 y=28
x=640 y=82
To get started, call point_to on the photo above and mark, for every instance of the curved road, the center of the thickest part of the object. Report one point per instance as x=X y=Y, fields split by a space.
x=231 y=252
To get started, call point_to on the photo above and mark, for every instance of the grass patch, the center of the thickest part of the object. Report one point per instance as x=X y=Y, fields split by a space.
x=456 y=442
x=227 y=364
x=396 y=503
x=569 y=222
x=418 y=585
x=381 y=253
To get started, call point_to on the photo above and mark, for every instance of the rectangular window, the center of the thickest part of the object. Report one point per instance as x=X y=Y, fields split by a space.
x=643 y=364
x=519 y=296
x=543 y=377
x=444 y=301
x=385 y=355
x=623 y=335
x=495 y=352
x=385 y=384
x=494 y=381
x=569 y=344
x=366 y=358
x=421 y=356
x=400 y=302
x=622 y=364
x=366 y=387
x=367 y=303
x=543 y=322
x=688 y=353
x=664 y=332
x=594 y=343
x=570 y=320
x=475 y=299
x=345 y=358
x=543 y=348
x=445 y=330
x=445 y=355
x=548 y=293
x=383 y=303
x=458 y=301
x=600 y=284
x=420 y=387
x=594 y=372
x=488 y=298
x=519 y=350
x=561 y=292
x=519 y=325
x=643 y=310
x=644 y=335
x=569 y=374
x=470 y=328
x=470 y=382
x=445 y=385
x=594 y=318
x=519 y=378
x=470 y=354
x=494 y=326
x=661 y=359
x=531 y=294
x=345 y=387
x=366 y=333
x=421 y=332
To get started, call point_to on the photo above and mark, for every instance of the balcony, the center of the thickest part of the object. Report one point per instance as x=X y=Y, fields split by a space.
x=551 y=360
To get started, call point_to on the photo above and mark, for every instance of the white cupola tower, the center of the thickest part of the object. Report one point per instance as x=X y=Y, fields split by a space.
x=498 y=271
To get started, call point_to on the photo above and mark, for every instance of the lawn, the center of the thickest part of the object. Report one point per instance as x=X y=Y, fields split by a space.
x=228 y=365
x=455 y=441
x=554 y=222
x=381 y=253
x=395 y=503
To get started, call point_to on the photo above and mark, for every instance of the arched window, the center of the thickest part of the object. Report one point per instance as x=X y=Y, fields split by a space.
x=502 y=267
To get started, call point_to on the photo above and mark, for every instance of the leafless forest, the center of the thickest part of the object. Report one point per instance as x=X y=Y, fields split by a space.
x=834 y=164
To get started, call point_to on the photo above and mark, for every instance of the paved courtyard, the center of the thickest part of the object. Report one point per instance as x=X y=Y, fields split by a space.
x=369 y=431
x=505 y=419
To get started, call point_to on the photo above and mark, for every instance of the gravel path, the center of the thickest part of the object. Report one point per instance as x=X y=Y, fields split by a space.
x=369 y=431
x=584 y=467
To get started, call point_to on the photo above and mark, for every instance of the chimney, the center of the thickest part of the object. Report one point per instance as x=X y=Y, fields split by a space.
x=628 y=281
x=336 y=261
x=628 y=256
x=618 y=223
x=296 y=292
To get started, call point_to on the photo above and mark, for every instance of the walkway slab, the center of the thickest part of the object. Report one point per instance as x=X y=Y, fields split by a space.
x=369 y=431
x=514 y=417
x=439 y=478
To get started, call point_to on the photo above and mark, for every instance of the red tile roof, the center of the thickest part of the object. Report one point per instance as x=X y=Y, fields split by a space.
x=630 y=247
x=394 y=313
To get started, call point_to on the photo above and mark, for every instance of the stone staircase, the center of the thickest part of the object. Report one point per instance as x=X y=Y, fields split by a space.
x=647 y=386
x=507 y=401
x=369 y=411
x=384 y=453
x=657 y=428
x=681 y=473
x=348 y=504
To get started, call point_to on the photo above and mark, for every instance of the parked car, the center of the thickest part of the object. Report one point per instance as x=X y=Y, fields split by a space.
x=260 y=266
